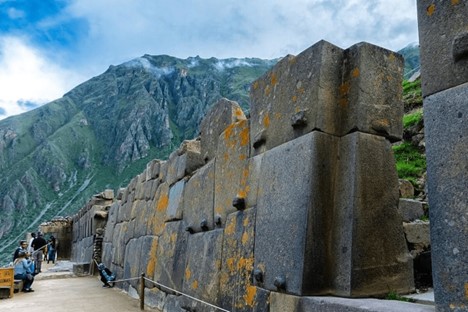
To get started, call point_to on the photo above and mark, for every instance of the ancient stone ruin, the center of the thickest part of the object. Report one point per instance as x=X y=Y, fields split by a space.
x=443 y=36
x=300 y=199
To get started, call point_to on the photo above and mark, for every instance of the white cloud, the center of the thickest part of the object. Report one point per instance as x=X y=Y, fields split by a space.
x=27 y=78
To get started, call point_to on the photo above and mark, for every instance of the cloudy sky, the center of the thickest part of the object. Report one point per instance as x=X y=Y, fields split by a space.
x=48 y=47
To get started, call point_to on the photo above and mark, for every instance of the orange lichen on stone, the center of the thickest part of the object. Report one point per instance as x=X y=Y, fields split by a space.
x=230 y=264
x=245 y=238
x=266 y=121
x=226 y=157
x=239 y=113
x=228 y=132
x=230 y=228
x=152 y=259
x=188 y=274
x=344 y=91
x=242 y=157
x=244 y=136
x=242 y=194
x=355 y=72
x=245 y=263
x=246 y=222
x=455 y=2
x=273 y=79
x=195 y=284
x=431 y=9
x=162 y=203
x=250 y=294
x=294 y=98
x=466 y=290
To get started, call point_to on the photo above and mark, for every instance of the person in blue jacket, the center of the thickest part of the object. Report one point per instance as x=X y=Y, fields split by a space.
x=23 y=269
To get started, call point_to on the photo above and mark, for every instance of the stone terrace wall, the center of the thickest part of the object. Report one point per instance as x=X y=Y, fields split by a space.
x=300 y=199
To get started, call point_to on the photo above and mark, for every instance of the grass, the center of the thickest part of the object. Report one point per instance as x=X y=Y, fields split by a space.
x=412 y=119
x=393 y=295
x=410 y=162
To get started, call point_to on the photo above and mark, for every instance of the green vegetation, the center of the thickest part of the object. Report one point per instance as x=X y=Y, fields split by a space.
x=393 y=295
x=411 y=162
x=412 y=95
x=413 y=118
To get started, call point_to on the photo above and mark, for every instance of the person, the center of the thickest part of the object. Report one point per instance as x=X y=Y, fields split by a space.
x=30 y=248
x=23 y=245
x=39 y=243
x=106 y=275
x=23 y=270
x=51 y=249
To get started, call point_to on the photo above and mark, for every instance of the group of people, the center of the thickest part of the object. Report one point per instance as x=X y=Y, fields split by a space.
x=28 y=258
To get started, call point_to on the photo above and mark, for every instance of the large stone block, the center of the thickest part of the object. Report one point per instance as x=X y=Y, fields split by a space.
x=171 y=255
x=294 y=215
x=237 y=292
x=371 y=92
x=221 y=115
x=158 y=211
x=298 y=95
x=202 y=271
x=190 y=158
x=366 y=207
x=443 y=38
x=231 y=169
x=199 y=199
x=410 y=209
x=175 y=206
x=446 y=127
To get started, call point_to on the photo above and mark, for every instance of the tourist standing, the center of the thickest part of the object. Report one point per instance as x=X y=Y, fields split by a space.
x=39 y=243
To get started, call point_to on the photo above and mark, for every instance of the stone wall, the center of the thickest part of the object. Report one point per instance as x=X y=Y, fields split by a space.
x=443 y=35
x=300 y=199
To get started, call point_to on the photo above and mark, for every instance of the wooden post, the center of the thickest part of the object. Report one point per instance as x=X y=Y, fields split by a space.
x=142 y=291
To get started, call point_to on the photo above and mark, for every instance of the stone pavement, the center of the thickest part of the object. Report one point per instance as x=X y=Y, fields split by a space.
x=56 y=289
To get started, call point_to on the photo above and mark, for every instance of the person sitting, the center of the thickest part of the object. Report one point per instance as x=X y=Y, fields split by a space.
x=107 y=277
x=23 y=270
x=23 y=245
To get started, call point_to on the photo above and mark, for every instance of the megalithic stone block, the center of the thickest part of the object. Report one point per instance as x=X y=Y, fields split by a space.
x=237 y=292
x=199 y=198
x=158 y=211
x=176 y=204
x=171 y=255
x=220 y=116
x=294 y=215
x=446 y=126
x=231 y=169
x=443 y=38
x=370 y=253
x=298 y=95
x=203 y=266
x=371 y=92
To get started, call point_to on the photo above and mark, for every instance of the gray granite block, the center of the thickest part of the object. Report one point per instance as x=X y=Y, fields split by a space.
x=371 y=92
x=220 y=116
x=175 y=206
x=293 y=222
x=231 y=168
x=202 y=270
x=298 y=95
x=366 y=207
x=171 y=255
x=443 y=38
x=446 y=127
x=410 y=209
x=199 y=198
x=237 y=292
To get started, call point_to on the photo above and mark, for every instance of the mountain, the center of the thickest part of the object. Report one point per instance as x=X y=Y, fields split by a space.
x=412 y=62
x=103 y=132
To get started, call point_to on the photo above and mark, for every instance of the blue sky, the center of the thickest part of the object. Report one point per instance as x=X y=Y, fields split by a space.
x=48 y=47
